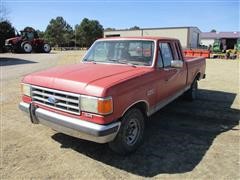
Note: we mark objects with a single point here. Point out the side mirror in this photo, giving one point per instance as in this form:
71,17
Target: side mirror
177,63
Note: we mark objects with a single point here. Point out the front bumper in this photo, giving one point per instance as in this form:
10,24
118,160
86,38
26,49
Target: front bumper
71,126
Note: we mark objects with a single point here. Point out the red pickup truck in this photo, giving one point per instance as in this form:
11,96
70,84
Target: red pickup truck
109,95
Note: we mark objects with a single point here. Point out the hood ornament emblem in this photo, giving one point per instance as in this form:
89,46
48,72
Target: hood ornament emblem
52,100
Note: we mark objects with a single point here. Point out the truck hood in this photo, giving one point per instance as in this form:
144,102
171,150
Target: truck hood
85,78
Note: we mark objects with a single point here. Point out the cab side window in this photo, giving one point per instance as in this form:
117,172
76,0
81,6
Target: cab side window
166,52
178,50
177,57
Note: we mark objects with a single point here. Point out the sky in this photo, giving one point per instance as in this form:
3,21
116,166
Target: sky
222,15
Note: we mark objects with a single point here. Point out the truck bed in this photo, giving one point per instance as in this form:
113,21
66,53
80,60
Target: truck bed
195,65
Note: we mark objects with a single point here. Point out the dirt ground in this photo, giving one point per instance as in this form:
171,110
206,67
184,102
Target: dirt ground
185,140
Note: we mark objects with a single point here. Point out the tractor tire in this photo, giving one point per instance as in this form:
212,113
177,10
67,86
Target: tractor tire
27,47
46,48
131,132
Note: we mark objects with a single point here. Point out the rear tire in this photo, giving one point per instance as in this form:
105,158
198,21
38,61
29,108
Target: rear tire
192,93
27,47
46,48
131,133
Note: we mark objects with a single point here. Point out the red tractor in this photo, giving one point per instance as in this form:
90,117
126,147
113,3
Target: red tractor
27,42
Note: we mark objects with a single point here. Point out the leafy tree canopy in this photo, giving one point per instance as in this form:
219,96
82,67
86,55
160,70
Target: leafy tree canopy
58,31
213,30
134,28
88,31
110,29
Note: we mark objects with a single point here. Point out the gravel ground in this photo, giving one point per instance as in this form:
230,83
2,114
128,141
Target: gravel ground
185,140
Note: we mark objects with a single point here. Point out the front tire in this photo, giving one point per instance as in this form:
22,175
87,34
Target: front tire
27,47
131,133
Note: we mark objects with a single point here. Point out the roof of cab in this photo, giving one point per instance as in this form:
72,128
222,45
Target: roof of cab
154,38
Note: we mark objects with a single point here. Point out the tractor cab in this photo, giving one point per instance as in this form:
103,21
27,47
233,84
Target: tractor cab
29,34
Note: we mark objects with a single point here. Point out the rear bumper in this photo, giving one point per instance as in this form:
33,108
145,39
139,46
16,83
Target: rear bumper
71,126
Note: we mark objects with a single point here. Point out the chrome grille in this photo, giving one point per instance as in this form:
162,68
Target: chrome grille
68,102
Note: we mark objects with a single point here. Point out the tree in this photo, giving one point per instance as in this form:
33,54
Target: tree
213,31
88,31
40,34
68,37
134,28
6,31
110,29
58,32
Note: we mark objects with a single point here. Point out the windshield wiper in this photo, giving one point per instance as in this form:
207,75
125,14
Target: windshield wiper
122,61
112,60
89,60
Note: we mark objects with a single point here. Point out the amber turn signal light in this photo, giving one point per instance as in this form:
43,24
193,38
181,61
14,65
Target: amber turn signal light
105,106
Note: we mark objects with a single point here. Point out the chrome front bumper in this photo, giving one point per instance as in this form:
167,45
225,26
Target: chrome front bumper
71,126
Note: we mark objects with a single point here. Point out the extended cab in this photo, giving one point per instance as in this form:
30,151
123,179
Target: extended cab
107,97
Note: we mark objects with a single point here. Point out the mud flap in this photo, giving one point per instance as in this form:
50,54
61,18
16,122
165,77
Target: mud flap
33,117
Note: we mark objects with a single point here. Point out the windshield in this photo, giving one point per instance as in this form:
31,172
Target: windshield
135,52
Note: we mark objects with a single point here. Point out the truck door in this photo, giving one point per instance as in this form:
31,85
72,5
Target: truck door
181,76
171,79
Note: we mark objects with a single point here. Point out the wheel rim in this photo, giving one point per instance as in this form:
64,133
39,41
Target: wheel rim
46,47
132,131
27,47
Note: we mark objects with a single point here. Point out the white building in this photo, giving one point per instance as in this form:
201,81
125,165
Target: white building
188,36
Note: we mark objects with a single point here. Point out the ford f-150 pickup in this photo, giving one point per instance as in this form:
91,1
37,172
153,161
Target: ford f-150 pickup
109,95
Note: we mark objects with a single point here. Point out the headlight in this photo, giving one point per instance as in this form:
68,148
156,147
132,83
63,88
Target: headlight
26,89
97,105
